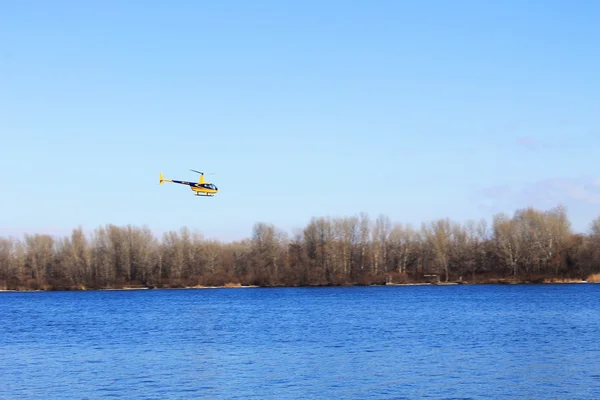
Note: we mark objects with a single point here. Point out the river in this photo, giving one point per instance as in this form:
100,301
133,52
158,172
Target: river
391,342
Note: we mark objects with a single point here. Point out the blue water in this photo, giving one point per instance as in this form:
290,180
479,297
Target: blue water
412,342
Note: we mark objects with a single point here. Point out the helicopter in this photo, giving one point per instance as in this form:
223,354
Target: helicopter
200,188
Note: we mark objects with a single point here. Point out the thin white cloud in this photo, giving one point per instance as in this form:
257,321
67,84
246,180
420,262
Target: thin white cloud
587,193
566,141
543,193
528,142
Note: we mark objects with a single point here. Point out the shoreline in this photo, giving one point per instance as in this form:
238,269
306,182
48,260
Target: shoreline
230,286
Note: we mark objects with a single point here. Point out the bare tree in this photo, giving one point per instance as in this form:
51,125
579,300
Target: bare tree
477,236
438,234
508,241
6,257
39,257
173,257
556,231
381,243
319,241
346,234
532,244
364,241
265,251
403,246
75,258
103,259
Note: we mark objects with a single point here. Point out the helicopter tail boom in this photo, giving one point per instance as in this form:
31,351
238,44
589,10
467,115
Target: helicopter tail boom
162,179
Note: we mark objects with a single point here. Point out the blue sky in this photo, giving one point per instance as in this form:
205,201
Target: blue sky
417,110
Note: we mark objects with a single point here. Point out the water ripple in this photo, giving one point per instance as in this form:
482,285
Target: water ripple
456,342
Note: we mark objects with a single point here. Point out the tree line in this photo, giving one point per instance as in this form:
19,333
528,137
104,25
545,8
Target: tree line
529,246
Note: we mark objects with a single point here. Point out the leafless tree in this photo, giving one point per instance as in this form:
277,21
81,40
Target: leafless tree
438,235
530,244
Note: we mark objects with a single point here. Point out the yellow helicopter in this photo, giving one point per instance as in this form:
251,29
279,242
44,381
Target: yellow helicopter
200,188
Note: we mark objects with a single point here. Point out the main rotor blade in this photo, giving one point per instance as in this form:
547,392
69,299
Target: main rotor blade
203,173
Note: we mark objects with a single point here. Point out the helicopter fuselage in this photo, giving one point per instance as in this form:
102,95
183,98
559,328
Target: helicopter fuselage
207,188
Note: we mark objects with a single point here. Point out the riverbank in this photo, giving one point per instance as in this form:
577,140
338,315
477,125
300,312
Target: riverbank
592,280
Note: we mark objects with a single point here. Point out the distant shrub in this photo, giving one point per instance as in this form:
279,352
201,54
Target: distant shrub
595,278
216,279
